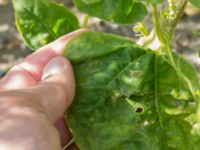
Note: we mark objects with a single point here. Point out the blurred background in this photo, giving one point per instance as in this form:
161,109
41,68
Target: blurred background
13,49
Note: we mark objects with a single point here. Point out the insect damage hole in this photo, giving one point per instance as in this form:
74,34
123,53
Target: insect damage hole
136,74
139,110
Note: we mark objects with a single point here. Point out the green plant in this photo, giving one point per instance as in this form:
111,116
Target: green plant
128,96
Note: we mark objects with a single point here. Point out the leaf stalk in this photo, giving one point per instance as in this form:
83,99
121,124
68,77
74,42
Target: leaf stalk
85,21
157,24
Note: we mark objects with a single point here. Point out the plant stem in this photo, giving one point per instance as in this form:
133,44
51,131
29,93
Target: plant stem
169,54
68,144
85,22
165,32
164,27
157,24
144,29
168,26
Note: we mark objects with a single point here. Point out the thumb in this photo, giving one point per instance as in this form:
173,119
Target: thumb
57,88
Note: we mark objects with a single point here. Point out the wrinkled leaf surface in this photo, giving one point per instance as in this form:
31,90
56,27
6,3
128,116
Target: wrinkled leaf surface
131,98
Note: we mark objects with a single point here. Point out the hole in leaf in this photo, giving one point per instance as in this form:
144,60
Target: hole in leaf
139,110
137,74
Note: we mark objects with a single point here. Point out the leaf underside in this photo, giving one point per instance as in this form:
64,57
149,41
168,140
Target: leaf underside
116,11
130,98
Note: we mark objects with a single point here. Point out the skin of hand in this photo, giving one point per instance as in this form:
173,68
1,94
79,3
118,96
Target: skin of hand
34,95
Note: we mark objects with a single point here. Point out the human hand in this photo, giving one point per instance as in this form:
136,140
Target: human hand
34,95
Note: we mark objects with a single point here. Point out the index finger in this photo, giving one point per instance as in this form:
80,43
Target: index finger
35,62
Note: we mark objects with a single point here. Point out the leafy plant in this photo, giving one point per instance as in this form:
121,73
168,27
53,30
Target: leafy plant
130,95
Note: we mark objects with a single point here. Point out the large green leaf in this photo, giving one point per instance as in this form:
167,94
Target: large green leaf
156,1
131,98
151,1
117,11
195,3
42,21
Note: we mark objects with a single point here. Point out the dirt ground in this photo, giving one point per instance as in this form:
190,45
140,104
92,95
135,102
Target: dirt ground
12,48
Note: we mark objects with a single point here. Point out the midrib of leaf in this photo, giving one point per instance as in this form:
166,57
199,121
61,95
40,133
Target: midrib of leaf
130,8
156,91
44,24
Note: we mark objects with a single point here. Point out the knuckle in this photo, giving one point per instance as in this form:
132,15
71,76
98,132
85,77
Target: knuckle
17,103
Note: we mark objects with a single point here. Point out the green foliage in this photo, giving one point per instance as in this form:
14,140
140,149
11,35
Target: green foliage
156,1
195,2
127,96
90,1
130,97
117,11
42,21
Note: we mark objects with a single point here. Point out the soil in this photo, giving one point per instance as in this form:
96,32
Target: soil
13,49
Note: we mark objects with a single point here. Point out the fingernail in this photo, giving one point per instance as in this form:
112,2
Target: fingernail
55,66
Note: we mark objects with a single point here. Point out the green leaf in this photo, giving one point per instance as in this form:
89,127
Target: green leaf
129,97
90,1
195,3
42,21
156,1
117,11
151,1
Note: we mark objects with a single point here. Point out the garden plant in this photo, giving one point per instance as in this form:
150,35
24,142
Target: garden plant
130,95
